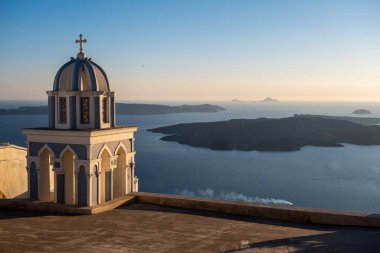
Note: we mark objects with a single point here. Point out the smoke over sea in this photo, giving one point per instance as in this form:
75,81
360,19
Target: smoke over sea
231,195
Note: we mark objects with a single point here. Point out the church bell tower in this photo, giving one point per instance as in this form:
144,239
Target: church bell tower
82,158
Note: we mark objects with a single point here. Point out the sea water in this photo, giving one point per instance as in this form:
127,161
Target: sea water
345,178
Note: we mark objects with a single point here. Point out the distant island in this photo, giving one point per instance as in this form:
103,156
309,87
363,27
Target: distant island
122,108
361,112
269,100
265,100
263,134
25,110
358,120
164,109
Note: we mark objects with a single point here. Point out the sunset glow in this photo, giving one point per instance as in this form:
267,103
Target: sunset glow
198,50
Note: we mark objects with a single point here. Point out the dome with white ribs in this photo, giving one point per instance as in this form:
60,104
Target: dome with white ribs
81,74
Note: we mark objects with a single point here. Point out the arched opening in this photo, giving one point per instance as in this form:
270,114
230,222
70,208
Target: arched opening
46,176
120,175
84,80
33,181
82,186
105,177
69,178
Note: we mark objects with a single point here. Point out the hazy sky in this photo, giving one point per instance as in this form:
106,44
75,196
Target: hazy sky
197,50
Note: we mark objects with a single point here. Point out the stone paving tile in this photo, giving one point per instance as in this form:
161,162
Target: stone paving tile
149,228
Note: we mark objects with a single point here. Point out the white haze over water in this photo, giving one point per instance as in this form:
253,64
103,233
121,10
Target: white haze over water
225,195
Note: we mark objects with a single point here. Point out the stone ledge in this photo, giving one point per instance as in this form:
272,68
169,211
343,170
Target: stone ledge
8,145
125,200
275,212
50,207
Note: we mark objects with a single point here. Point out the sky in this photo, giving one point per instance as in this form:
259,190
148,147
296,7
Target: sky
294,50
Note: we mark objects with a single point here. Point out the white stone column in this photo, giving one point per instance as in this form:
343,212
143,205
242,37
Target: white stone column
89,188
75,193
28,180
133,176
113,165
57,170
99,189
136,184
111,184
51,169
95,172
55,187
126,185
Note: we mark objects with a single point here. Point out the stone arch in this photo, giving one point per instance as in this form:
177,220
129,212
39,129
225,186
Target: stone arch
105,179
105,147
68,157
120,172
46,179
43,149
120,146
68,148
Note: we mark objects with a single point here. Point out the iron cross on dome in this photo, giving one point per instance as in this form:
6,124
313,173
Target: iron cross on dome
81,41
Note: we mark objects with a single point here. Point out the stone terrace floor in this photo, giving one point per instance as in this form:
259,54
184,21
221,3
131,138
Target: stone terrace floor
149,228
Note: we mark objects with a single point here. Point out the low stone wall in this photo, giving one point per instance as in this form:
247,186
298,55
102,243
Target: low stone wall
284,213
13,174
274,212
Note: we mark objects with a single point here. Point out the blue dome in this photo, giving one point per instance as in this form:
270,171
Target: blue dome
81,74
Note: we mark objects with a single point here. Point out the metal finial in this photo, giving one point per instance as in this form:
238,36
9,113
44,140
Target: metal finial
81,41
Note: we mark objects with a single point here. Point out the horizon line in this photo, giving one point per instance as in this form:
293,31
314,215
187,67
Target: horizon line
220,100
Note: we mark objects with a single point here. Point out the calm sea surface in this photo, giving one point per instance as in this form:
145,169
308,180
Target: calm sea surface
345,178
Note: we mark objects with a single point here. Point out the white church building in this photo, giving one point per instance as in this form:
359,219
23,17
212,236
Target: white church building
82,158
